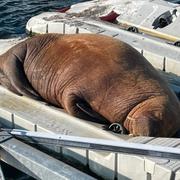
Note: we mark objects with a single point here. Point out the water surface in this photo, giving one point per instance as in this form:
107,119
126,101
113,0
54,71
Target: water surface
15,13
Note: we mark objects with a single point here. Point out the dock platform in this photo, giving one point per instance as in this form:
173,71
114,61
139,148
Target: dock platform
22,112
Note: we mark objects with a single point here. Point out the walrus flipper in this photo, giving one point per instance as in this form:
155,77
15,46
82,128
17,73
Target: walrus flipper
14,71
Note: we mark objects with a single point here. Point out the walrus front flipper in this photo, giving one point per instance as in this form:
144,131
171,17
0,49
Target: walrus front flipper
85,108
14,71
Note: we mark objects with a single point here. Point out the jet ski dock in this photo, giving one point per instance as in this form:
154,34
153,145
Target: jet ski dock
48,159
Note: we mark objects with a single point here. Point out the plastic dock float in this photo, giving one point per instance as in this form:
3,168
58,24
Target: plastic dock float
21,112
157,18
34,162
25,113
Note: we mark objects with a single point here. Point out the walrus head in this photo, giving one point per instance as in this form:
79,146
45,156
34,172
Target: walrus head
155,116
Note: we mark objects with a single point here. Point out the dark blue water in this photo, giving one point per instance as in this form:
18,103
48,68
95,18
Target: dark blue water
15,13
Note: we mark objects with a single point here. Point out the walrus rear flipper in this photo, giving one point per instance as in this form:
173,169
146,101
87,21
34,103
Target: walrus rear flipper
85,108
14,71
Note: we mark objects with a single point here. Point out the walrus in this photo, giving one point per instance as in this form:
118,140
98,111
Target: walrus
93,76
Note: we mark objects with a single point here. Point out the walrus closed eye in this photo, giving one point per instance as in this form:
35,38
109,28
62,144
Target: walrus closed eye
115,84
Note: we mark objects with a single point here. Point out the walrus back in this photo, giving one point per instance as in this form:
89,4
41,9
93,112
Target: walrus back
39,62
68,59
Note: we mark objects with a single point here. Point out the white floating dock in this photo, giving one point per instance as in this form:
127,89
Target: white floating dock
36,163
137,13
22,112
36,116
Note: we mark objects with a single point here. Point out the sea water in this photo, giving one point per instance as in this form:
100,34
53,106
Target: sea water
14,14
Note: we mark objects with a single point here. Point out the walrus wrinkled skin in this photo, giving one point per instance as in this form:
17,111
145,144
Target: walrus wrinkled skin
93,75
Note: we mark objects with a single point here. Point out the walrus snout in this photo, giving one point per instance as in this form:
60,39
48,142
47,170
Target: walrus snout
153,117
145,126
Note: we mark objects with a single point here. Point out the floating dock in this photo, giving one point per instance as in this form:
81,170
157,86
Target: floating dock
22,112
157,18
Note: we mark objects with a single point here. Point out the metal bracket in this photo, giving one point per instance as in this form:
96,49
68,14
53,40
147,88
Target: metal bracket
4,136
133,29
116,128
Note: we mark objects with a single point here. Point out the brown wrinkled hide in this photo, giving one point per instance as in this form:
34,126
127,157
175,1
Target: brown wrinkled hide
107,74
